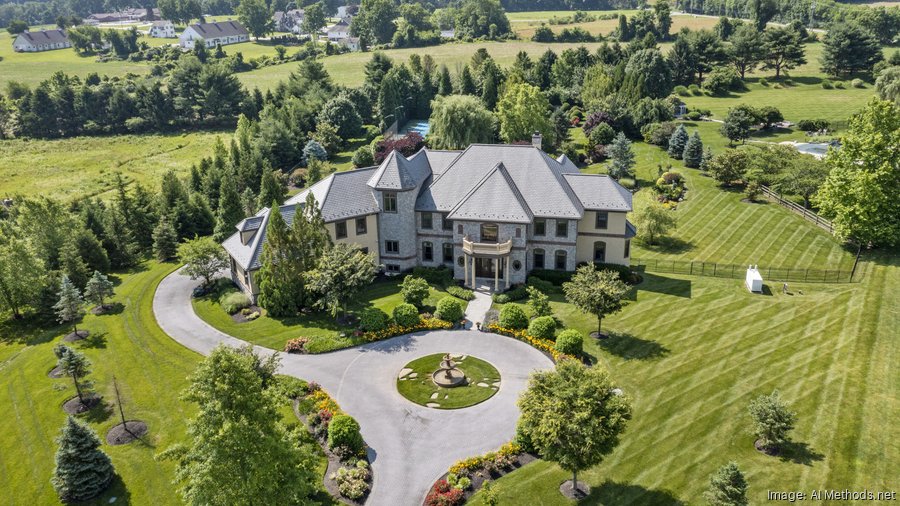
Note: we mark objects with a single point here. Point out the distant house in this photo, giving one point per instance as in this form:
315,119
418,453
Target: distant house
162,30
351,43
346,12
338,31
127,15
289,21
44,40
222,33
448,34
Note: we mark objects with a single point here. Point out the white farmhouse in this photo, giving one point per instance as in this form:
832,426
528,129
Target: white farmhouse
162,30
213,34
44,40
338,31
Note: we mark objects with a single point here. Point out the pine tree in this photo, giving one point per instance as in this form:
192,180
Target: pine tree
677,142
248,201
280,277
707,157
165,240
75,365
727,487
230,210
73,266
445,84
68,306
313,171
466,82
621,155
271,189
98,288
83,471
693,151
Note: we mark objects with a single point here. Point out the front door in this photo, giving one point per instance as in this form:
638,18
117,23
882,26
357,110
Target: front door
484,268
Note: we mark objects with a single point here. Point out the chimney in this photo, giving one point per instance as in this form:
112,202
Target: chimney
536,139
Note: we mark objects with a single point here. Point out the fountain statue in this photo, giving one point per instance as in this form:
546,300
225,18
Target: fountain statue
448,375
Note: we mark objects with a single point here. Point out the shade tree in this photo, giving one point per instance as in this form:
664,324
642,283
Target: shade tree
523,110
21,274
340,274
595,291
203,258
460,120
848,48
654,220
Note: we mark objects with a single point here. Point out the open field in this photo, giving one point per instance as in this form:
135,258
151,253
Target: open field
691,352
151,370
84,166
525,23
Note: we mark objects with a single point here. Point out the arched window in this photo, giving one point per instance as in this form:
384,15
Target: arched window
538,259
599,252
560,260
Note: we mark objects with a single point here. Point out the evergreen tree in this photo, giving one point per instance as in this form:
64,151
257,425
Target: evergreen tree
623,32
466,82
271,189
68,306
783,50
849,48
621,155
82,470
248,201
73,266
98,288
280,276
677,142
727,487
230,210
693,151
165,240
683,60
445,84
746,49
544,69
314,150
75,365
91,250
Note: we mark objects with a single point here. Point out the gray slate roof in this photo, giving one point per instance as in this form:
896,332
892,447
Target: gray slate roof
398,173
342,195
247,255
439,160
537,177
505,202
599,192
220,29
43,37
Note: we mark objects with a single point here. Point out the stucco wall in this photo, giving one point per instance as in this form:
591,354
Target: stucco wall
613,235
368,240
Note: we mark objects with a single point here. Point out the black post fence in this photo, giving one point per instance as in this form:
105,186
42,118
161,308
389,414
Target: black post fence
735,271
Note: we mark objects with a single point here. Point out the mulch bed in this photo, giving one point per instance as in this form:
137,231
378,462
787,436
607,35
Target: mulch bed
480,477
334,463
568,489
76,336
56,373
240,317
74,406
120,435
768,450
99,310
599,335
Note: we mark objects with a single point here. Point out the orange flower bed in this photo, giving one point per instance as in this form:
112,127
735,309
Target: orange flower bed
541,344
324,402
393,330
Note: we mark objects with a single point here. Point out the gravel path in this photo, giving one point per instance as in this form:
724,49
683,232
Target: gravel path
411,445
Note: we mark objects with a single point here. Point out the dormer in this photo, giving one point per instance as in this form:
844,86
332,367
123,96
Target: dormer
248,228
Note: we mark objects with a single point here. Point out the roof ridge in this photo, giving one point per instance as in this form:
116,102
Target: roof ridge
570,193
499,167
515,189
452,164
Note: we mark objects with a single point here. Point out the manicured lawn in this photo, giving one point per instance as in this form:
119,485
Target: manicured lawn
715,226
322,330
691,352
68,169
151,370
421,389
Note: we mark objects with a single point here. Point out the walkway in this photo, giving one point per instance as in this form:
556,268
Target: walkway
478,306
411,446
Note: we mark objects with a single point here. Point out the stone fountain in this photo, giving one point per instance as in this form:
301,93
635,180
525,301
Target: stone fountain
447,375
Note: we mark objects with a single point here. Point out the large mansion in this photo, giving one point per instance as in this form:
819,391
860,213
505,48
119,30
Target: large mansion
492,213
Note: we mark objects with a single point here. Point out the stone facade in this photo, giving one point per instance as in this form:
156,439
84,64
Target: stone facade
397,227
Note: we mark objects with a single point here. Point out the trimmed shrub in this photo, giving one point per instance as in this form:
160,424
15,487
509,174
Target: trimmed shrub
344,431
692,116
695,89
570,342
460,292
517,293
857,83
839,85
513,317
406,315
763,82
543,327
827,84
602,134
542,285
414,290
438,276
234,302
682,90
553,276
373,319
449,309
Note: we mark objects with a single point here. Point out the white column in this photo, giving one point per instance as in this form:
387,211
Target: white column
507,271
465,269
496,274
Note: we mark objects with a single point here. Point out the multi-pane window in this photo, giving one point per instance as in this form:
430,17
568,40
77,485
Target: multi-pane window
448,252
538,259
560,260
340,230
392,246
602,220
427,252
562,228
540,226
446,223
390,202
427,221
361,226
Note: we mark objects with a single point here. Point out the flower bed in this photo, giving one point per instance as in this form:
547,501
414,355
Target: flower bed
545,345
466,476
394,330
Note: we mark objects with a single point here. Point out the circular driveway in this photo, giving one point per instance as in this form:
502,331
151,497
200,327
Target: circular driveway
411,445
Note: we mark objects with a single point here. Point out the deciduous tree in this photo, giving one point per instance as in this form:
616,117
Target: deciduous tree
523,110
460,120
21,274
342,271
598,292
256,16
203,258
653,221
